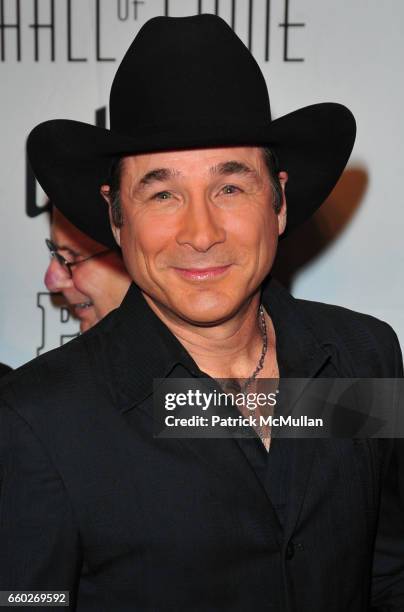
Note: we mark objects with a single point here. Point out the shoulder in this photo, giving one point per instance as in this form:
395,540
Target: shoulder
370,342
52,404
4,369
339,320
57,378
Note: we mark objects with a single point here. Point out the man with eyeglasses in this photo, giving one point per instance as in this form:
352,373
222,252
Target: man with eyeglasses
92,279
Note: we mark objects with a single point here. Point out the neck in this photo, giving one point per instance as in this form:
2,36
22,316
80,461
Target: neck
230,349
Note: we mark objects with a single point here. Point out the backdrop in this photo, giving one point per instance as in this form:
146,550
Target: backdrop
58,59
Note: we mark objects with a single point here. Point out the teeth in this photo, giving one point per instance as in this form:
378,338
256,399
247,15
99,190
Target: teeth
84,305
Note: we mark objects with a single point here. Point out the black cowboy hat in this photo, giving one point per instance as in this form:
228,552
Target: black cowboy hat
185,83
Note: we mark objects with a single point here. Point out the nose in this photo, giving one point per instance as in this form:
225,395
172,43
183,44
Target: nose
200,228
57,278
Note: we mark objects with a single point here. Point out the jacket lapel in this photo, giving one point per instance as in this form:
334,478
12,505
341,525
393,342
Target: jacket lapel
302,453
302,357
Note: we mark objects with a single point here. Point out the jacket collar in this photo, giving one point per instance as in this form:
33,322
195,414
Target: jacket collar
141,347
300,353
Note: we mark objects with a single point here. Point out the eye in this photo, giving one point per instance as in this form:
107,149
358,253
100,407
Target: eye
230,189
162,195
68,255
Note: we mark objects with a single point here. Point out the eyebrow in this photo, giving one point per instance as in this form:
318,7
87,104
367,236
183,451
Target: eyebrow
233,167
224,169
156,175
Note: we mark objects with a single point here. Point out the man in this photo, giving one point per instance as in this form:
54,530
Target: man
92,279
91,501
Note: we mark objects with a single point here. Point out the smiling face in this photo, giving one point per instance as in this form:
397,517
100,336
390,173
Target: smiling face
199,230
97,285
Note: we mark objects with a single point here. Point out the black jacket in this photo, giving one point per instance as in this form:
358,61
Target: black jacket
4,369
92,503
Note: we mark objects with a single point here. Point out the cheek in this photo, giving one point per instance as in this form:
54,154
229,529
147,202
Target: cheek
254,234
94,278
82,281
143,241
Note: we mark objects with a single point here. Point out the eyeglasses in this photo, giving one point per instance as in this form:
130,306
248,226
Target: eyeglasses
68,265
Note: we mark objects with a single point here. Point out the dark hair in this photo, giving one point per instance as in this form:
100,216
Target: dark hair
114,183
115,180
272,165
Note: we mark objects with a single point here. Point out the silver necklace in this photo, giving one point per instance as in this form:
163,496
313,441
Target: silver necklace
263,328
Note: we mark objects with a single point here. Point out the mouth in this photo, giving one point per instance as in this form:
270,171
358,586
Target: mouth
82,306
202,273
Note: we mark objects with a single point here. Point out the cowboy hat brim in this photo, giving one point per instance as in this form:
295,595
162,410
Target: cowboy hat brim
71,159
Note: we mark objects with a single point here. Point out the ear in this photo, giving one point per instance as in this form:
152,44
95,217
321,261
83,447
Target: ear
282,216
105,189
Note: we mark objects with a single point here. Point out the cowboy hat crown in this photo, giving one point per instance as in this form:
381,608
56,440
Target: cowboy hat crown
189,72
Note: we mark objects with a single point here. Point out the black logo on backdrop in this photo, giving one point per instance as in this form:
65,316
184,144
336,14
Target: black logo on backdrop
128,9
41,27
57,324
47,13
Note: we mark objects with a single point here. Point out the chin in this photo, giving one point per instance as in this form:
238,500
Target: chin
207,310
85,325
